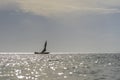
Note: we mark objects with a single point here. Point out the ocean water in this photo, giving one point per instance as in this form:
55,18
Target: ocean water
60,67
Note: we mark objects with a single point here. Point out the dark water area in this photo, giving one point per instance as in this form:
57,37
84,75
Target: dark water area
60,67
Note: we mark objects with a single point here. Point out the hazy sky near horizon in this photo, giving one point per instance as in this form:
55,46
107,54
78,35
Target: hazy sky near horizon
68,25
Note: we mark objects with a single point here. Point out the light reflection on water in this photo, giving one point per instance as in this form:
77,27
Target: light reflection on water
60,67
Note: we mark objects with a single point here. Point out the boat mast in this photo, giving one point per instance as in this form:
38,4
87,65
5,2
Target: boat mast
45,45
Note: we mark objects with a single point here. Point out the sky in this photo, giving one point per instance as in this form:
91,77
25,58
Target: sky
68,25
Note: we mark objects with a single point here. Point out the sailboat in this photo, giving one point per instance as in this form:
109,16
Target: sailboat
44,50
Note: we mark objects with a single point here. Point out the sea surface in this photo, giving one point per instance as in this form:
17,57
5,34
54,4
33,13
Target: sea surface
60,67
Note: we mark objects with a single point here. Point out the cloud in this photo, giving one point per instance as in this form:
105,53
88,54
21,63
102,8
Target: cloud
110,3
53,7
56,7
19,30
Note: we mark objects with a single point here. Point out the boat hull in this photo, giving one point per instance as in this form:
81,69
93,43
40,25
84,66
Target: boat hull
41,53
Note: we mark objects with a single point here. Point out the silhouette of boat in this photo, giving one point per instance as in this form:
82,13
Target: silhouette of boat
44,50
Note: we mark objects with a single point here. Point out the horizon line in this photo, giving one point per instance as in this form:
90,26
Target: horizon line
60,52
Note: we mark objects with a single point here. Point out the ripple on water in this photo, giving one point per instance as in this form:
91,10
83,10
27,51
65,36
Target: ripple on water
59,67
20,77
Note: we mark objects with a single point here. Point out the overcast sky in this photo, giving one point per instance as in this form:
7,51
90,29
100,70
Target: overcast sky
67,25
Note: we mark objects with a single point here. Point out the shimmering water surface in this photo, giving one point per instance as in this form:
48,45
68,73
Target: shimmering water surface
60,67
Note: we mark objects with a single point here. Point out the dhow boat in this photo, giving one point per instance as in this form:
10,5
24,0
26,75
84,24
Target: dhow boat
44,50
